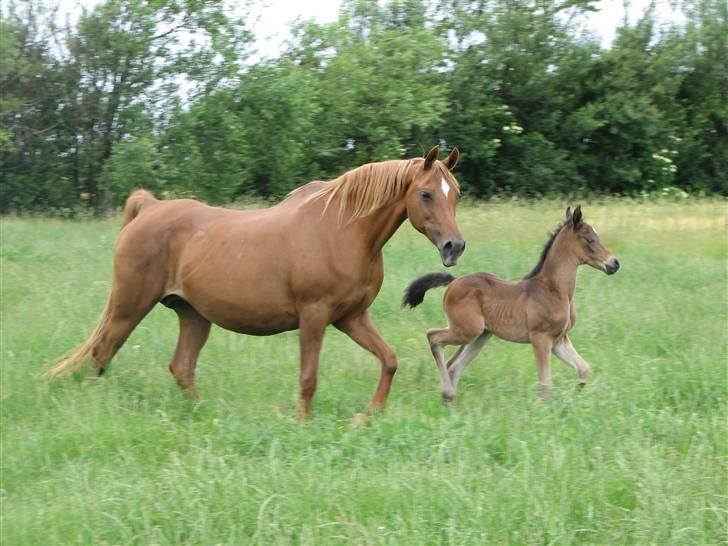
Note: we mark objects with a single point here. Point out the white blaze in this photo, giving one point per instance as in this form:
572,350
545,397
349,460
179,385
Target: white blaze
445,187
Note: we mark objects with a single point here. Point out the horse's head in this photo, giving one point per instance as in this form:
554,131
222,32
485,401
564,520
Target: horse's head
587,246
431,201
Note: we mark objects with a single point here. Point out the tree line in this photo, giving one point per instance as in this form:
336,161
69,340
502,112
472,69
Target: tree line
169,95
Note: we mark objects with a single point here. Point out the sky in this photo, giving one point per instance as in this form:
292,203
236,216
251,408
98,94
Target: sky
276,16
272,18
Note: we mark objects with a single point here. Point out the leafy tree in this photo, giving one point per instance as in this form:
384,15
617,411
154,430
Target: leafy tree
109,78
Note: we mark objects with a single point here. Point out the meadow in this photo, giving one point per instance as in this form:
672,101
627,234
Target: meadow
637,457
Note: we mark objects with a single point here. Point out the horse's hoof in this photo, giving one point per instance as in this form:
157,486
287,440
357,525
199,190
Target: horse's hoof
447,399
191,395
361,420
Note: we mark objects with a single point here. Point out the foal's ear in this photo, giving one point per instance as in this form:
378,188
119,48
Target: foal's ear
431,157
576,218
568,213
451,160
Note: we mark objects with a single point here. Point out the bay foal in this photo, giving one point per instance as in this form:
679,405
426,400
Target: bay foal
539,309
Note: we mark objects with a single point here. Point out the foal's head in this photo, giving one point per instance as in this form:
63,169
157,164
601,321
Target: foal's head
431,201
585,244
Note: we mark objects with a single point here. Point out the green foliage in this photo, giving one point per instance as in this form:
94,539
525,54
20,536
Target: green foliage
637,457
133,164
536,107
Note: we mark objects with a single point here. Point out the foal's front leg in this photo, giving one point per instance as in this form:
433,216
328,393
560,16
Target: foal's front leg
542,345
565,351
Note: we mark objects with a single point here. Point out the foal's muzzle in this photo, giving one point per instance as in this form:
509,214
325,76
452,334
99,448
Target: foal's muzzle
611,266
451,250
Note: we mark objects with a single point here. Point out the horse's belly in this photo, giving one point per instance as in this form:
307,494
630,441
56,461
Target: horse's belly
514,334
259,318
233,302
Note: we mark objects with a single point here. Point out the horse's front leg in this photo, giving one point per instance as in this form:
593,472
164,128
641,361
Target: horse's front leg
361,329
312,325
565,352
542,345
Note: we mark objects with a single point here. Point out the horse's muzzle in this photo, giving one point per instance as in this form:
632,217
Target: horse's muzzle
611,266
451,250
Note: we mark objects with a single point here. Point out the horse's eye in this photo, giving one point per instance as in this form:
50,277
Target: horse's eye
426,195
590,241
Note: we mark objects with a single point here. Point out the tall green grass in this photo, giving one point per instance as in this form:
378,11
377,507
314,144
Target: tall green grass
638,457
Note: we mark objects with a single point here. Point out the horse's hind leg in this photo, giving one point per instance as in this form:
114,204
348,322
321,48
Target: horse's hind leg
121,317
193,332
564,351
438,338
362,330
132,297
464,357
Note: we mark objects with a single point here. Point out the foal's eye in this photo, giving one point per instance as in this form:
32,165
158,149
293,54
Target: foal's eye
426,195
590,241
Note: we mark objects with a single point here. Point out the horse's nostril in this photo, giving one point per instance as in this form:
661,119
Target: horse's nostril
616,263
447,247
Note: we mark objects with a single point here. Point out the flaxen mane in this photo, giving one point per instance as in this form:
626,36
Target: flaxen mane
537,268
366,189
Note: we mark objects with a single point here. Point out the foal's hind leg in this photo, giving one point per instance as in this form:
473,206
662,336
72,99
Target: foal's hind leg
564,351
464,356
193,332
438,338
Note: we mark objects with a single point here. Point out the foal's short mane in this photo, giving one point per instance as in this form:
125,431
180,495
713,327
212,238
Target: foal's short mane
368,188
544,252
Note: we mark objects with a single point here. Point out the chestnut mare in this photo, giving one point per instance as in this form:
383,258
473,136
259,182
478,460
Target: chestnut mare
312,260
538,309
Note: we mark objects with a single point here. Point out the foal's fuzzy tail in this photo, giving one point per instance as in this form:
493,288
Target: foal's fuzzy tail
134,204
75,359
415,292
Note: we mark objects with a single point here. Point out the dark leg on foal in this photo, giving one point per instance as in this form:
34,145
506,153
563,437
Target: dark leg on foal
193,332
313,322
362,330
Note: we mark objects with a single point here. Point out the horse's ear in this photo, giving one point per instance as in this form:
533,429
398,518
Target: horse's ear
568,213
576,218
431,157
452,159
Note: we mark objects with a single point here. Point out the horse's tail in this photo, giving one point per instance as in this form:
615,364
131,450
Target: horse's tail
415,292
134,204
75,359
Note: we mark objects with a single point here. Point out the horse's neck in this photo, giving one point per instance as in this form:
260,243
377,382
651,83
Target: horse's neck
378,227
559,270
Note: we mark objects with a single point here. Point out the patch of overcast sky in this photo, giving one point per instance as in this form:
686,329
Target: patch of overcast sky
271,20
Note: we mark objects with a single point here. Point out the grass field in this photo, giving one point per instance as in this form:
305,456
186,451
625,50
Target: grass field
638,457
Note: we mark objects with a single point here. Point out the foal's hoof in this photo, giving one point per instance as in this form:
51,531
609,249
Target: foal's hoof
191,395
447,399
360,420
